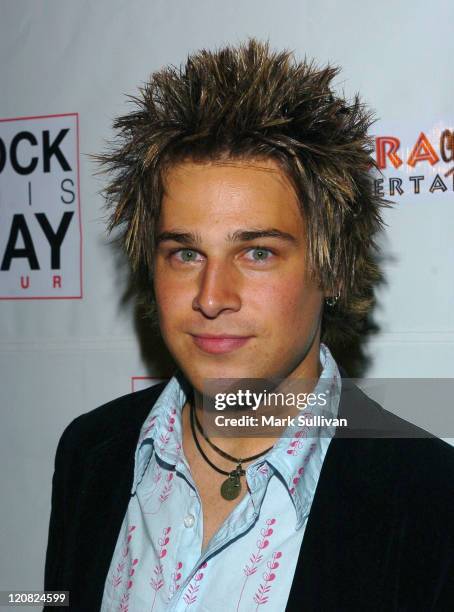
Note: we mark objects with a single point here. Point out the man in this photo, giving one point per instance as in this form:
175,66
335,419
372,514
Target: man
243,186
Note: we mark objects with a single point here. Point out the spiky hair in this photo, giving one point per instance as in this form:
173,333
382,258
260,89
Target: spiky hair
249,102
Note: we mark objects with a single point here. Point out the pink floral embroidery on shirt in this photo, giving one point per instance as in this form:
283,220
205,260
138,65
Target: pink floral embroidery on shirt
191,594
297,442
257,556
165,437
165,493
157,582
262,594
155,479
296,478
167,489
175,578
124,603
148,427
300,470
117,578
264,469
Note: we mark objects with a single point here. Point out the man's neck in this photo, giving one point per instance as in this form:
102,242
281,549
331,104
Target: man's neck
243,447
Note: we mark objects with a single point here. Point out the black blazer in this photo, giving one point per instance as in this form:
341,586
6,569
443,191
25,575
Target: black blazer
379,537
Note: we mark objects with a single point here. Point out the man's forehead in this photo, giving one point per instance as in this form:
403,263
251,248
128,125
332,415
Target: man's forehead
242,170
236,197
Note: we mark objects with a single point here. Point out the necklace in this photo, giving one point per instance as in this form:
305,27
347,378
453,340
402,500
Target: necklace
231,487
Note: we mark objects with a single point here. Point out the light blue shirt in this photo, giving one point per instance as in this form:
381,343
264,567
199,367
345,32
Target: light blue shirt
250,562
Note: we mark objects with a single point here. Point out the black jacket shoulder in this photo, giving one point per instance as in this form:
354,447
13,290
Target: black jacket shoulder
111,420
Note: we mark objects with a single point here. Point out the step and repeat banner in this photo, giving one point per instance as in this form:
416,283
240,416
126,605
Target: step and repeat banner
70,337
40,222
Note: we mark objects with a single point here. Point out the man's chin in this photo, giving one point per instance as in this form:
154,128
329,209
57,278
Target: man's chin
222,379
199,376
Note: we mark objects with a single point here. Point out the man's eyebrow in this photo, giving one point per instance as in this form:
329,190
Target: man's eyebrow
180,237
191,238
254,234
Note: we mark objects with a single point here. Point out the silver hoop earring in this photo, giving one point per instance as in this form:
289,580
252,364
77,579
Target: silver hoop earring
332,300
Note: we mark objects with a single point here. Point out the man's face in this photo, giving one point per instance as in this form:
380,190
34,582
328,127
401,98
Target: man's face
234,295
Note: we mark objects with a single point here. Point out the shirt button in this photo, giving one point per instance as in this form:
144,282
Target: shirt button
189,520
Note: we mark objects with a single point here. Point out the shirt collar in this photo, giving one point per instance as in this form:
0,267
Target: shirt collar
297,458
299,453
162,429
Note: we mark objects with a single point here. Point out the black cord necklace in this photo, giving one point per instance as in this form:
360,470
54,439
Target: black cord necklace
231,487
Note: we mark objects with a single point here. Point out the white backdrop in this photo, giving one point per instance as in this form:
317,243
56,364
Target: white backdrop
62,357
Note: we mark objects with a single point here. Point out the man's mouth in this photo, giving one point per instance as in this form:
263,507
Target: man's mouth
219,343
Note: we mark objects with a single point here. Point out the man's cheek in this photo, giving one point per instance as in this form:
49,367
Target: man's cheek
284,300
168,292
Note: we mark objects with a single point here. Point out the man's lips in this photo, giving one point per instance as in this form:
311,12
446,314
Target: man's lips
218,344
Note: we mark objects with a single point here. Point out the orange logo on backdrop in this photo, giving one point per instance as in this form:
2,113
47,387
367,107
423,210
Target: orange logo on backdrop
388,153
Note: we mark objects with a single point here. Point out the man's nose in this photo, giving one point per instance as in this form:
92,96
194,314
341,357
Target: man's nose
218,289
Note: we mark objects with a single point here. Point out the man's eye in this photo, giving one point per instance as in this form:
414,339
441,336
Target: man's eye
260,253
186,255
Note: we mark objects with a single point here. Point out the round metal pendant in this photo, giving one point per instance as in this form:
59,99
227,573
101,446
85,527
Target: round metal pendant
230,488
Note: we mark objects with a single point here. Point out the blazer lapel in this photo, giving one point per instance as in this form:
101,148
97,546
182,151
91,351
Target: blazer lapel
104,496
344,561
